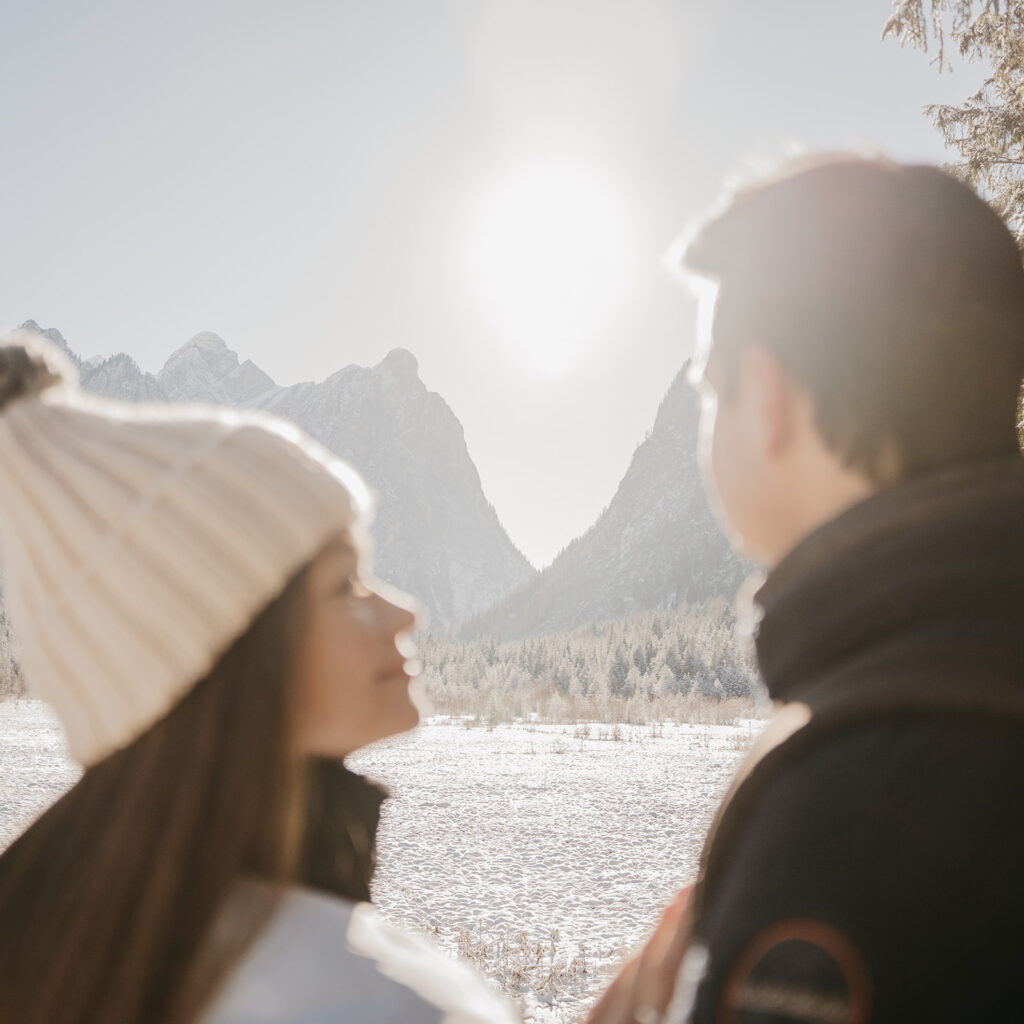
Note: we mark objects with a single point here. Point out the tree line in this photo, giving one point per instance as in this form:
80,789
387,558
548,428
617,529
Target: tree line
652,665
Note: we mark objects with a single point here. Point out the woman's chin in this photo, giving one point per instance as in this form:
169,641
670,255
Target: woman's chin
404,714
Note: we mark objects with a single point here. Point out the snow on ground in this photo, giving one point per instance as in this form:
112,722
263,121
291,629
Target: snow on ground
34,766
543,853
534,846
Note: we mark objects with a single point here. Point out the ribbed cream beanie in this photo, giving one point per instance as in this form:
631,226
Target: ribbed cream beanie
139,541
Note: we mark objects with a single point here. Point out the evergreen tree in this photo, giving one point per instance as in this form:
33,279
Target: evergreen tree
618,674
987,129
666,685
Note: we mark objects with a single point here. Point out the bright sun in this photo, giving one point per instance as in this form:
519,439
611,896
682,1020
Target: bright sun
551,260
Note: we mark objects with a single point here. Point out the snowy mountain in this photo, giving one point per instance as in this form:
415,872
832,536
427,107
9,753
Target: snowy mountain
444,541
206,370
436,534
120,377
56,337
654,546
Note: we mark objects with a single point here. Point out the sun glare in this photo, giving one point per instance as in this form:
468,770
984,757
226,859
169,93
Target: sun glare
550,260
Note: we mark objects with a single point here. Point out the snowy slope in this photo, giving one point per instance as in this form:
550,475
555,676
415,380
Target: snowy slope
654,546
445,543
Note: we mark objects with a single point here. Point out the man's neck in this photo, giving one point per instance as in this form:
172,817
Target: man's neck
816,498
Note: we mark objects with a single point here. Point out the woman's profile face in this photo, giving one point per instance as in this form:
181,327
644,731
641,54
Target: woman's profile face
352,668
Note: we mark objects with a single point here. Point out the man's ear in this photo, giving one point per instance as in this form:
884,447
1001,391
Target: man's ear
774,399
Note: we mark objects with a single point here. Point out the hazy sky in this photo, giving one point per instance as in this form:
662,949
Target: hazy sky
491,184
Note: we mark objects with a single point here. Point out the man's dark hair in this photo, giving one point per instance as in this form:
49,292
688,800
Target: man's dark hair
893,293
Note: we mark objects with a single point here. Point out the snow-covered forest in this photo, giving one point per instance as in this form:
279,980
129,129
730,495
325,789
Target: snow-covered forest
650,666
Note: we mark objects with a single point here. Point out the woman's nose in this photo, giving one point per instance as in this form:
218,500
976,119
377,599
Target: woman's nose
407,613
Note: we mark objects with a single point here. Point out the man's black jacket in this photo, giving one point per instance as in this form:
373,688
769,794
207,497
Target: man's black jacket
870,864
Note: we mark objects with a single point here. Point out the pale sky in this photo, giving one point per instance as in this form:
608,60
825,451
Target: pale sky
491,184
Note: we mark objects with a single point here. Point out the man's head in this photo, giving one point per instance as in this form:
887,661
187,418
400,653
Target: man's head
867,325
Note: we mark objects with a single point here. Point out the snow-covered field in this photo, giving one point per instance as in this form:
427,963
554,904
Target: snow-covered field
541,852
34,769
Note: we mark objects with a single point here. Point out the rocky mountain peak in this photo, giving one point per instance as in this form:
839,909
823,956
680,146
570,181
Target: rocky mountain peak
55,336
204,369
208,341
401,362
205,348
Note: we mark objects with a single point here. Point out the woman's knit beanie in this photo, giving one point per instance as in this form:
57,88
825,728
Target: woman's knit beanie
139,541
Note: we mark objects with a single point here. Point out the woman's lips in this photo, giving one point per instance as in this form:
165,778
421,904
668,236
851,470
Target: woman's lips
409,668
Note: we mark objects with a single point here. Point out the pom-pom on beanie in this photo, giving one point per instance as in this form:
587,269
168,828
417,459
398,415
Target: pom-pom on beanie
139,541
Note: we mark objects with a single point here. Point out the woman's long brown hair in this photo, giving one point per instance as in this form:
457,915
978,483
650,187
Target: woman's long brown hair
106,899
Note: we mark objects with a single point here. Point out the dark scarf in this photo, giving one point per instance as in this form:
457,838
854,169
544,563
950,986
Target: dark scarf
916,594
910,603
339,851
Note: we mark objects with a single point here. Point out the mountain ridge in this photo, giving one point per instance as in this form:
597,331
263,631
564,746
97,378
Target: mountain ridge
436,533
654,545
